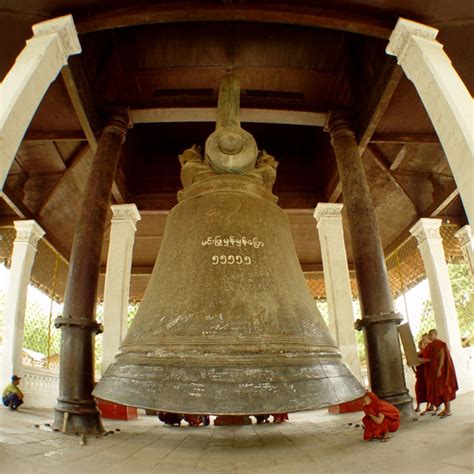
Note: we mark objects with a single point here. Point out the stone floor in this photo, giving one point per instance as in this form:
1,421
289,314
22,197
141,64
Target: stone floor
312,442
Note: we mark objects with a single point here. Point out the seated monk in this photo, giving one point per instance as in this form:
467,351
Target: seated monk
172,419
262,419
197,420
442,375
381,418
280,417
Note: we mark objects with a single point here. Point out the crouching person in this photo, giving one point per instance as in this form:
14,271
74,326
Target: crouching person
381,418
12,396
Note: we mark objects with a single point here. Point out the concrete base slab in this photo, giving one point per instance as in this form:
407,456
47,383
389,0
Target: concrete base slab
310,442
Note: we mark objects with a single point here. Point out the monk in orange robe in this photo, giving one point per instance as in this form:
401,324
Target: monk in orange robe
420,372
442,381
425,358
280,417
420,385
381,418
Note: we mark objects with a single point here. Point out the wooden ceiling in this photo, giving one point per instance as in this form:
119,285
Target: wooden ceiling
291,57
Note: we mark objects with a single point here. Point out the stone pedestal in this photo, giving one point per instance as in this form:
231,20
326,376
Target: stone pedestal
115,411
232,420
28,234
430,245
466,241
337,283
379,320
76,411
28,80
117,279
445,97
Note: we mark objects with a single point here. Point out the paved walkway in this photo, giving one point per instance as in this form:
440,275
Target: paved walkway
312,442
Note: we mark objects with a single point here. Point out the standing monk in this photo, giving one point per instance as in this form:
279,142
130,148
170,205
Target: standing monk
425,360
381,418
420,386
442,375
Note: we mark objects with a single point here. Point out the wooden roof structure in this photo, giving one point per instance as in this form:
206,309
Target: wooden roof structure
295,61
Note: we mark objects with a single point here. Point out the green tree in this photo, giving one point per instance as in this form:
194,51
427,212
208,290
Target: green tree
463,292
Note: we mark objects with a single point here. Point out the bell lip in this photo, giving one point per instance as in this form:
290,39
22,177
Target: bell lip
321,387
227,413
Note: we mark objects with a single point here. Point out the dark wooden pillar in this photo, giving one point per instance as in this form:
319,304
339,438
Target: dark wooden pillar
379,320
76,411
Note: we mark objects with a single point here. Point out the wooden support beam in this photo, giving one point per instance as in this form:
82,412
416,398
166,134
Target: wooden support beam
403,138
379,161
7,221
449,196
434,210
81,153
54,135
83,103
333,190
77,94
399,158
379,94
208,114
311,267
16,204
277,13
136,270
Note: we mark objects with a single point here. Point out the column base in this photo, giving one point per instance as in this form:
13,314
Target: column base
404,403
78,417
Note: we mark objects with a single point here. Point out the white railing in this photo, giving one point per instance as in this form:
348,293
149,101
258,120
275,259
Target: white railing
40,386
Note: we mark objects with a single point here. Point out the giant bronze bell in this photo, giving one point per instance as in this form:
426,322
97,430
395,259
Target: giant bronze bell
227,324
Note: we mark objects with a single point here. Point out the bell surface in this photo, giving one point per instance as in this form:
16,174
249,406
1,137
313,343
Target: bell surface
227,324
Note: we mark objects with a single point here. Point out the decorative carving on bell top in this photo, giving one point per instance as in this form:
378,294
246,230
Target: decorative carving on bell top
230,152
193,167
230,149
426,229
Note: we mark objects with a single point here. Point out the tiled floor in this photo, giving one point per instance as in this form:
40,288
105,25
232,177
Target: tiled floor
312,442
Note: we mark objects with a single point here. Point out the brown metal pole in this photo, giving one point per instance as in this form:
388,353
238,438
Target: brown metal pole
379,320
76,411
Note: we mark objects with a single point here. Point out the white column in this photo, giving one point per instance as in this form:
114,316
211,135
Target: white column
24,248
28,80
445,97
117,279
337,283
430,245
466,240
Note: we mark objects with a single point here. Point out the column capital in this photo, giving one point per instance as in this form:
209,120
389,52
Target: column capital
125,212
64,27
339,122
403,33
28,231
118,120
426,228
464,235
328,210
